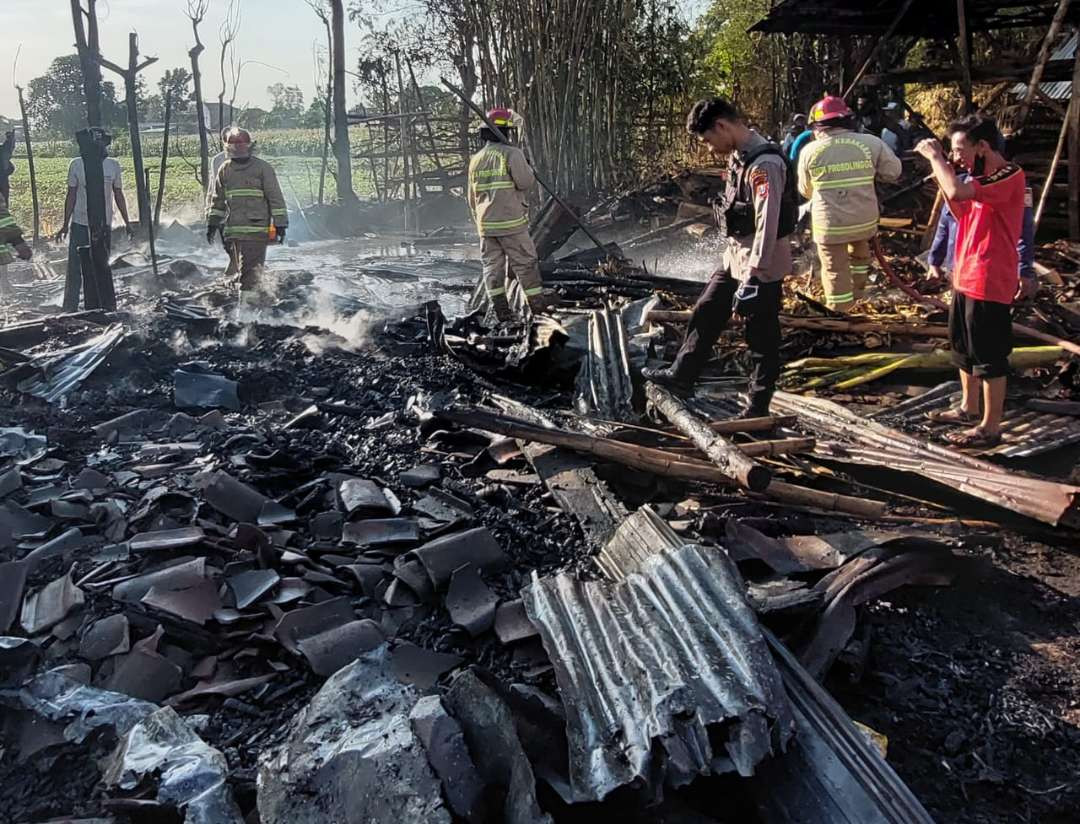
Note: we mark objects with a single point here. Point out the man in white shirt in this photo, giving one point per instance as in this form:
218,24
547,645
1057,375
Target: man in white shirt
75,216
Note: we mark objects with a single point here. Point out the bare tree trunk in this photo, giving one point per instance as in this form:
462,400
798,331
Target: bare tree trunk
130,76
30,164
195,14
164,160
341,118
87,46
327,108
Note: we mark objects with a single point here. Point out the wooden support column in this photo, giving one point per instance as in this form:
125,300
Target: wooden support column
964,44
731,461
97,277
403,137
30,164
1074,154
86,43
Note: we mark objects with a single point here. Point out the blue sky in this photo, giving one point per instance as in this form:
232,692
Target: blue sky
281,33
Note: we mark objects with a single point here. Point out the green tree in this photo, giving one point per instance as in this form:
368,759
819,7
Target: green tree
315,116
56,101
254,119
288,108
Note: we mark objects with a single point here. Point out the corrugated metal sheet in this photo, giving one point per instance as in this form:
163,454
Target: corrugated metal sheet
605,387
1024,432
62,371
664,676
831,774
1062,89
860,440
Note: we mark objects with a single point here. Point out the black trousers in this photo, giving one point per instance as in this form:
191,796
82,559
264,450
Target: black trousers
75,284
980,332
710,317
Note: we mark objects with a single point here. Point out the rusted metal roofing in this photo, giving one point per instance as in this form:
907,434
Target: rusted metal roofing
1024,432
1062,89
845,436
665,675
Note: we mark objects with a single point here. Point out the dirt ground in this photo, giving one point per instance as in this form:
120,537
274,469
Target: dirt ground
977,687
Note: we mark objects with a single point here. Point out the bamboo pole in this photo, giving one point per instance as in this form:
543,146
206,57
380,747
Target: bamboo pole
838,325
1048,184
30,164
539,178
163,170
722,452
1040,62
877,47
657,461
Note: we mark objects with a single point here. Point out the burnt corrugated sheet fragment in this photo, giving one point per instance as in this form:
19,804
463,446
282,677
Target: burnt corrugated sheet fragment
665,676
605,387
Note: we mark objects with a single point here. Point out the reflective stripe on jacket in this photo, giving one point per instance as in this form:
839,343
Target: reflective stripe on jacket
837,173
499,179
247,199
10,234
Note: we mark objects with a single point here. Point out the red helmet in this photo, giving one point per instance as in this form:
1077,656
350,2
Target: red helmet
828,109
503,118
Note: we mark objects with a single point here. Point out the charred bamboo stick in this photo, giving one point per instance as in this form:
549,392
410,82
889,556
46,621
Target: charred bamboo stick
936,330
753,424
827,501
722,452
645,458
1054,407
757,449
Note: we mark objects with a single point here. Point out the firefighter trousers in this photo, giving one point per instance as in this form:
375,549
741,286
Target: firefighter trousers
248,257
845,268
710,317
510,256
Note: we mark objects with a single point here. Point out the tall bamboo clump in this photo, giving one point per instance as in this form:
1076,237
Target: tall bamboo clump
585,74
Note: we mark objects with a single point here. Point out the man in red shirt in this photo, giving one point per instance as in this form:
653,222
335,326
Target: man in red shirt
989,210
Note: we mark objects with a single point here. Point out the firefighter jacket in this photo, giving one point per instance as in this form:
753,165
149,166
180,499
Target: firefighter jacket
10,234
247,199
499,179
837,172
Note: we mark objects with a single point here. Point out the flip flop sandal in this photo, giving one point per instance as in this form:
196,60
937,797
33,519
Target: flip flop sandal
953,415
974,439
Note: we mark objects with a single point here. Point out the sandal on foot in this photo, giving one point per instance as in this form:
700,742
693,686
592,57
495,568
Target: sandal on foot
974,439
954,415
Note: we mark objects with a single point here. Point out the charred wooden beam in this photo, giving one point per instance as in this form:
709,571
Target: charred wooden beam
721,451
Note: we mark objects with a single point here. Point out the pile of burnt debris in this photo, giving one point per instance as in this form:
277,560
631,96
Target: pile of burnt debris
256,570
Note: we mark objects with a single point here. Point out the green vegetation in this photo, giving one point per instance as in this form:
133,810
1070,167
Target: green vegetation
299,175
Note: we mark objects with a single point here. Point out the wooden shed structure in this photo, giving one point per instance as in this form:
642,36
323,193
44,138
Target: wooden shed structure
880,33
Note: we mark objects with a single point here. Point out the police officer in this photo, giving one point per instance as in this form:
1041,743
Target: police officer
757,215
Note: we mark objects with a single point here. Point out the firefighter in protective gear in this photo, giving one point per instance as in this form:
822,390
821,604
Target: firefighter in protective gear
837,173
12,244
246,207
499,179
